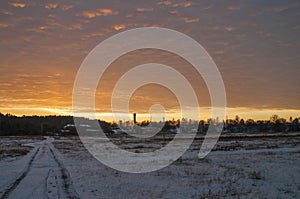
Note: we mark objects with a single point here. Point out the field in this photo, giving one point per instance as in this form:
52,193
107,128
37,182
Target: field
240,166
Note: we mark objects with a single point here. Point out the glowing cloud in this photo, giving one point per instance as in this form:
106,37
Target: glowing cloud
144,9
190,20
51,6
119,27
106,12
74,27
6,12
18,5
66,7
98,13
180,4
229,28
3,25
166,3
174,12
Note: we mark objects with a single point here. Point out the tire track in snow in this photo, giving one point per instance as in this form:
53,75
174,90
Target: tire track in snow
51,182
20,178
67,182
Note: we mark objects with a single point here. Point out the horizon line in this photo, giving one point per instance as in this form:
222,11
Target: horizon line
142,120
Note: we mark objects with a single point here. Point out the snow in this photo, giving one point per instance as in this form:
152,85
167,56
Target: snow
62,168
37,175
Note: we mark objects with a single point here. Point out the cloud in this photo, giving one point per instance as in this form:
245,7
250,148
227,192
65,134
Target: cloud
3,25
214,28
297,27
119,27
18,5
74,27
209,6
175,12
6,12
38,29
282,43
229,28
128,15
144,9
218,52
106,12
51,6
180,4
89,14
91,35
98,13
190,20
233,8
166,3
66,7
285,7
223,43
279,9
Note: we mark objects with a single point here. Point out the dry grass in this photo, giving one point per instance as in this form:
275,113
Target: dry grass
13,149
13,146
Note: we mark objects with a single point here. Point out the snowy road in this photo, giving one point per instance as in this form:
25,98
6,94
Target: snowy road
40,174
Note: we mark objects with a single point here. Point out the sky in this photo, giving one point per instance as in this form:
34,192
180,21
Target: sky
255,45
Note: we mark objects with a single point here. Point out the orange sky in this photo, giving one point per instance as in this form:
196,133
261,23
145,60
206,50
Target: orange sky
255,46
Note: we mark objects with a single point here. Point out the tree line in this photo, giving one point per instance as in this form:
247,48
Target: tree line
51,125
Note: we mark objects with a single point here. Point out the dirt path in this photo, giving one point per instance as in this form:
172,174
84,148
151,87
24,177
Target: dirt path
43,176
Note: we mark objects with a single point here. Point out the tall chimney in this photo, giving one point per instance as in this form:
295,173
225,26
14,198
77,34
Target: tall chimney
134,118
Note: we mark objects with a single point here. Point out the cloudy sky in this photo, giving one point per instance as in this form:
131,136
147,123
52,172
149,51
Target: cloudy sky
255,45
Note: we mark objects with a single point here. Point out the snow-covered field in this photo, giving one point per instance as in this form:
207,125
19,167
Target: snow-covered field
238,167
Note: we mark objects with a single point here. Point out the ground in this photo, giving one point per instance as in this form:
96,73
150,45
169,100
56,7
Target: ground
240,166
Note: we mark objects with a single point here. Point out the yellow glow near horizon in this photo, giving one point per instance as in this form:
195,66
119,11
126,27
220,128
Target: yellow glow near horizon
242,112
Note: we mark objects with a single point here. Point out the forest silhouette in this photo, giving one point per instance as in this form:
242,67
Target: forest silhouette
11,125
